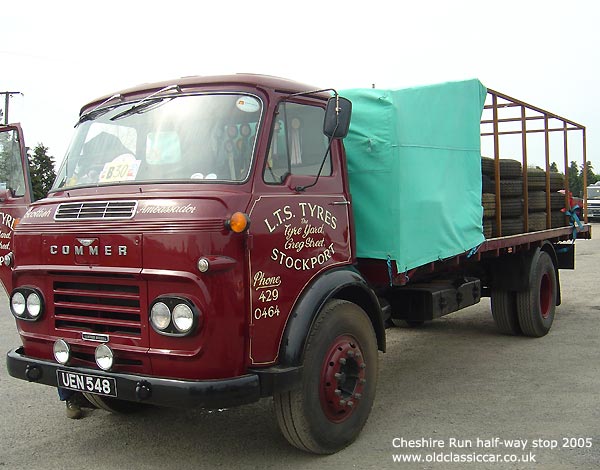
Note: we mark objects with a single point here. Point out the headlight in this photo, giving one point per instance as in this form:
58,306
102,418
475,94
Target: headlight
27,303
160,316
104,357
174,316
34,305
183,318
18,304
62,351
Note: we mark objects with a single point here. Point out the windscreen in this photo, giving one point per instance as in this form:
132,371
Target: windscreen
593,193
193,138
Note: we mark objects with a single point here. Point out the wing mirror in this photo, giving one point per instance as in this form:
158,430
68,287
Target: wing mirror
337,117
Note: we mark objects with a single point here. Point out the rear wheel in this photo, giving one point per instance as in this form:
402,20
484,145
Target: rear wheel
114,405
339,380
504,311
536,305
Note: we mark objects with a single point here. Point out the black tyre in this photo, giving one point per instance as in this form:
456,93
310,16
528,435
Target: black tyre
511,207
557,201
510,169
488,229
557,181
489,205
559,219
488,185
510,226
339,382
489,213
114,405
536,305
536,184
537,221
487,166
488,198
512,187
537,201
504,311
536,179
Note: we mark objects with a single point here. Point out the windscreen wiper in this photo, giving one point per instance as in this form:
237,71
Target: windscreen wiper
148,102
98,110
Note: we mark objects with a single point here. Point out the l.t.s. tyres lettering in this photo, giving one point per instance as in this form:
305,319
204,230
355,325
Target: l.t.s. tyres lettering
292,242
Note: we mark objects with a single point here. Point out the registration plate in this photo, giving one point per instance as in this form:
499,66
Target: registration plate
106,386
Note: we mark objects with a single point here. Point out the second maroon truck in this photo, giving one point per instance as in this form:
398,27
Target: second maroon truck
201,247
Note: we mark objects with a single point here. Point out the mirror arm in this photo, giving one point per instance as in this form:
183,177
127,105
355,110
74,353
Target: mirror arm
300,189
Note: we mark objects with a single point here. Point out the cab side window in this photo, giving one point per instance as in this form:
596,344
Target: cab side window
298,144
11,167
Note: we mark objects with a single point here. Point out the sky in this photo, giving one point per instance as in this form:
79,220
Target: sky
63,54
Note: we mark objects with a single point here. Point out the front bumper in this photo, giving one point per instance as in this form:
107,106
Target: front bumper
211,394
593,212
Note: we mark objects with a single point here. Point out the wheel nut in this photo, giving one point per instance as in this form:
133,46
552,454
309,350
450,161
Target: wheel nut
342,402
342,360
363,365
337,375
358,396
350,353
338,392
357,355
363,381
350,404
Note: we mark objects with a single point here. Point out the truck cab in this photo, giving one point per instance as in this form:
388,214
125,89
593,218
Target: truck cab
194,230
593,201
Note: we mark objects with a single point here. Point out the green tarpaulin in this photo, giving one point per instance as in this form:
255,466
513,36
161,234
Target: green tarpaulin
414,162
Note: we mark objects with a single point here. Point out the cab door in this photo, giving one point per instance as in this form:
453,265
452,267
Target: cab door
15,193
300,223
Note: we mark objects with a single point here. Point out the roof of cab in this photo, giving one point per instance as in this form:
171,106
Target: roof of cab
275,84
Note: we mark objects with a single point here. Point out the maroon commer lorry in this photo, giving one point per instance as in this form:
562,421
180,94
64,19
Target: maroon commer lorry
198,249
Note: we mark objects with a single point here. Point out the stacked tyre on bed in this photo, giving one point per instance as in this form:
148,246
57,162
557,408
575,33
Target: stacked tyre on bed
512,202
528,311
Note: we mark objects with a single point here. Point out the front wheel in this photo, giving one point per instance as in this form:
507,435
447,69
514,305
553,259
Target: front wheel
328,411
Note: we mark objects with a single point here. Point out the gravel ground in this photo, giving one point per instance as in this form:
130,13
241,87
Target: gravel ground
455,387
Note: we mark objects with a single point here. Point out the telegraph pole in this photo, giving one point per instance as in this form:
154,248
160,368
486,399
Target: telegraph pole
7,96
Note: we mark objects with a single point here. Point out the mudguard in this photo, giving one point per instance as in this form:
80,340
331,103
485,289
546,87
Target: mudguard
342,283
508,278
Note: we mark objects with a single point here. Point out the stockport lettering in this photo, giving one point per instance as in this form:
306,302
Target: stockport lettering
302,264
107,250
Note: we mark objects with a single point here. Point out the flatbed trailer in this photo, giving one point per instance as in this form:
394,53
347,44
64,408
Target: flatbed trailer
495,260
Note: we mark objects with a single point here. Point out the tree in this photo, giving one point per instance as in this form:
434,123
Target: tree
41,168
575,185
554,167
591,177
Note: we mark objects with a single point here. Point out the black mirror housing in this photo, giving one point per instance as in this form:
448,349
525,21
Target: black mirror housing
337,117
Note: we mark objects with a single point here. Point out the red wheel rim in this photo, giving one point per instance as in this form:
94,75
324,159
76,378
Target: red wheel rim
545,295
342,379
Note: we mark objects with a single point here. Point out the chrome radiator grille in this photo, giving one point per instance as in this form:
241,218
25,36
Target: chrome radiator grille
98,306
